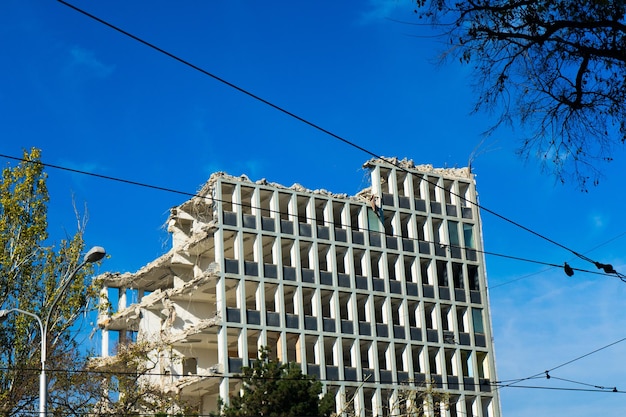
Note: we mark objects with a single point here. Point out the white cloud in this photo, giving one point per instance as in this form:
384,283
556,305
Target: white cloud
83,58
91,167
381,9
598,220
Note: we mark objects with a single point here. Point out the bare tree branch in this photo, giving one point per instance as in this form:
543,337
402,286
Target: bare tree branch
556,68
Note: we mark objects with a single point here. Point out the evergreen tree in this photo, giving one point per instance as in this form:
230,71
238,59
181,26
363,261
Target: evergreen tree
274,389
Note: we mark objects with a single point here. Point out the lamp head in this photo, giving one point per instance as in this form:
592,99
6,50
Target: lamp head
95,254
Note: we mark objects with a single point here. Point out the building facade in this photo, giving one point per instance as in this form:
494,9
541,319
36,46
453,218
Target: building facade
371,293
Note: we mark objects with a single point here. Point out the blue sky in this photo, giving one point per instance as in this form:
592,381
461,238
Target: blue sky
95,100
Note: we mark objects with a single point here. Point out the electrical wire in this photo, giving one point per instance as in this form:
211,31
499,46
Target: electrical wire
105,177
567,389
196,195
125,413
474,385
440,384
199,376
606,267
587,354
502,284
600,387
545,373
599,265
171,190
217,78
556,266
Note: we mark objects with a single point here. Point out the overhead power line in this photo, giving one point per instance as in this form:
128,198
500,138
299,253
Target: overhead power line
217,78
412,384
171,190
546,373
558,266
600,387
105,177
612,390
606,267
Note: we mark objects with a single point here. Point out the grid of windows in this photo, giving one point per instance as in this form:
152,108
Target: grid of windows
397,276
368,293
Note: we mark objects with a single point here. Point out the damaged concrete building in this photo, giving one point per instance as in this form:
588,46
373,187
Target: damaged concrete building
370,293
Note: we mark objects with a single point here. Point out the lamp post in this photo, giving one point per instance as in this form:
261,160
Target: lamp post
94,255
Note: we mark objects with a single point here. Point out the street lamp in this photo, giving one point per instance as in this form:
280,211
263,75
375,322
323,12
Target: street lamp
94,255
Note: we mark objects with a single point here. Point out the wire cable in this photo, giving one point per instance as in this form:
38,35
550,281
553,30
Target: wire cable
547,372
185,193
557,266
606,267
217,78
105,177
498,384
613,389
565,389
475,385
587,354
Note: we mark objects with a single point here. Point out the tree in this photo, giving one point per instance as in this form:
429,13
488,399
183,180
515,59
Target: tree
125,384
420,401
30,271
556,67
273,389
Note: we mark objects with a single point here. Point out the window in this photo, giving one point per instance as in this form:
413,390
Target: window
266,201
303,208
354,217
457,275
442,273
447,187
481,359
453,231
284,200
425,271
472,276
227,196
460,319
433,361
373,221
432,188
409,275
361,305
450,364
464,193
416,356
467,369
246,199
320,207
468,236
477,318
268,244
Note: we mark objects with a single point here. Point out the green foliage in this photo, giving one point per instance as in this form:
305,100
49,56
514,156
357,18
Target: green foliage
556,68
420,401
273,389
126,386
30,272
